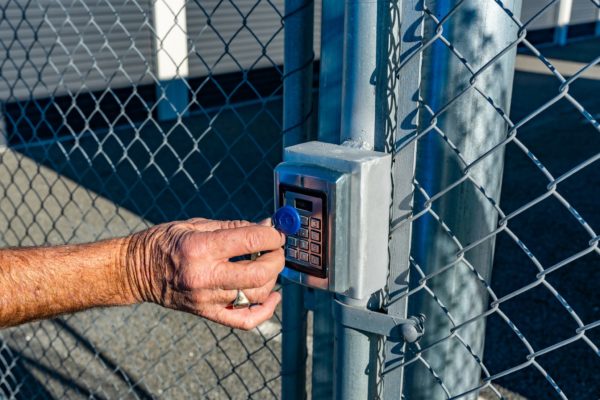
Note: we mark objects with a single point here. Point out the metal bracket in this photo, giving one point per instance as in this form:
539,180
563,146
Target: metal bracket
362,319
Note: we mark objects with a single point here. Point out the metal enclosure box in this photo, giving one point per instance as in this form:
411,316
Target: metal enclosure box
343,196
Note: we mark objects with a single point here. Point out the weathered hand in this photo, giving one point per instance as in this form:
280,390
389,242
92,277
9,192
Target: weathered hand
186,266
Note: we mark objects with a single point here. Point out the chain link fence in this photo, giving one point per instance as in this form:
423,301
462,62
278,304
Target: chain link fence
117,115
528,328
108,129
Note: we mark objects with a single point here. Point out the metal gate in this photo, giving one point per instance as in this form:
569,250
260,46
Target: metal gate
120,114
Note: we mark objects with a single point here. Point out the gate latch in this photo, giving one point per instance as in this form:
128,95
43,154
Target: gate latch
410,330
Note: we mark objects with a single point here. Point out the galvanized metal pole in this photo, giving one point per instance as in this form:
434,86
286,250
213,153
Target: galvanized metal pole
360,61
322,355
481,31
330,97
3,132
403,170
330,77
297,115
597,30
364,118
293,343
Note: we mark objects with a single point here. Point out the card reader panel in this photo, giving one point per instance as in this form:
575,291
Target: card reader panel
306,251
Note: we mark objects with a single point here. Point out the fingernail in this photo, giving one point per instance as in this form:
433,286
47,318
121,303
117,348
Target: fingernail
266,222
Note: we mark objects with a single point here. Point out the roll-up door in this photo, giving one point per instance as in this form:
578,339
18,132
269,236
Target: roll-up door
54,48
231,36
583,11
547,19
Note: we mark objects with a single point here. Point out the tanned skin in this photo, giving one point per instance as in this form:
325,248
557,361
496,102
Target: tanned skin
181,265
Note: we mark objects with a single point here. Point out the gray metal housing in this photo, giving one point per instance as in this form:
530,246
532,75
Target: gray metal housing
360,207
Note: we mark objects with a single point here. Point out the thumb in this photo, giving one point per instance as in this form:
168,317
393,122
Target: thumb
266,222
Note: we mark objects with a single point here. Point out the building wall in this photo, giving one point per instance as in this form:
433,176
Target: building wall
583,11
55,48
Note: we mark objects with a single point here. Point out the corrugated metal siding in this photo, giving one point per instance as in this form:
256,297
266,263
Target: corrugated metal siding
228,38
317,31
54,49
583,11
545,20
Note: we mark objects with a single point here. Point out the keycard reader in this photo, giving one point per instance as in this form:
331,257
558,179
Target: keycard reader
342,195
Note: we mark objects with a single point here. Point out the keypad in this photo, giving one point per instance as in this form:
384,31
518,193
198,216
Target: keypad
304,220
292,253
303,233
303,256
306,247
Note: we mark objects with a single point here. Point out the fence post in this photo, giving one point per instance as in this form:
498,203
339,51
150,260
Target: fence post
474,126
330,97
597,30
297,115
170,40
364,122
3,132
330,77
403,169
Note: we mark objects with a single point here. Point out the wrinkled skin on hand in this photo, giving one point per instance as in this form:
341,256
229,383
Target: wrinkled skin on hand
186,266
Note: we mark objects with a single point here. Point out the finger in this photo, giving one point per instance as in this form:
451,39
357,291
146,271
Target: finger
266,222
208,225
261,294
255,295
227,243
248,318
249,274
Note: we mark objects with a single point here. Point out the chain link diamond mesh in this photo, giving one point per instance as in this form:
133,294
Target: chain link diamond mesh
86,156
543,314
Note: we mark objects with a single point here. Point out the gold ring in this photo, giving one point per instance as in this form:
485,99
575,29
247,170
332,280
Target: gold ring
241,301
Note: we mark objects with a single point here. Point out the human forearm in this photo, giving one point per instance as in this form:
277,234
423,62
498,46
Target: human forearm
42,282
184,265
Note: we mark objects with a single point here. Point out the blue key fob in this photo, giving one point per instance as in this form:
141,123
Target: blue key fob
287,220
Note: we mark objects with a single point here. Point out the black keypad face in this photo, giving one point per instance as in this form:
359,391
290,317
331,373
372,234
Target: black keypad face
303,256
305,251
315,248
315,236
303,233
292,253
315,260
